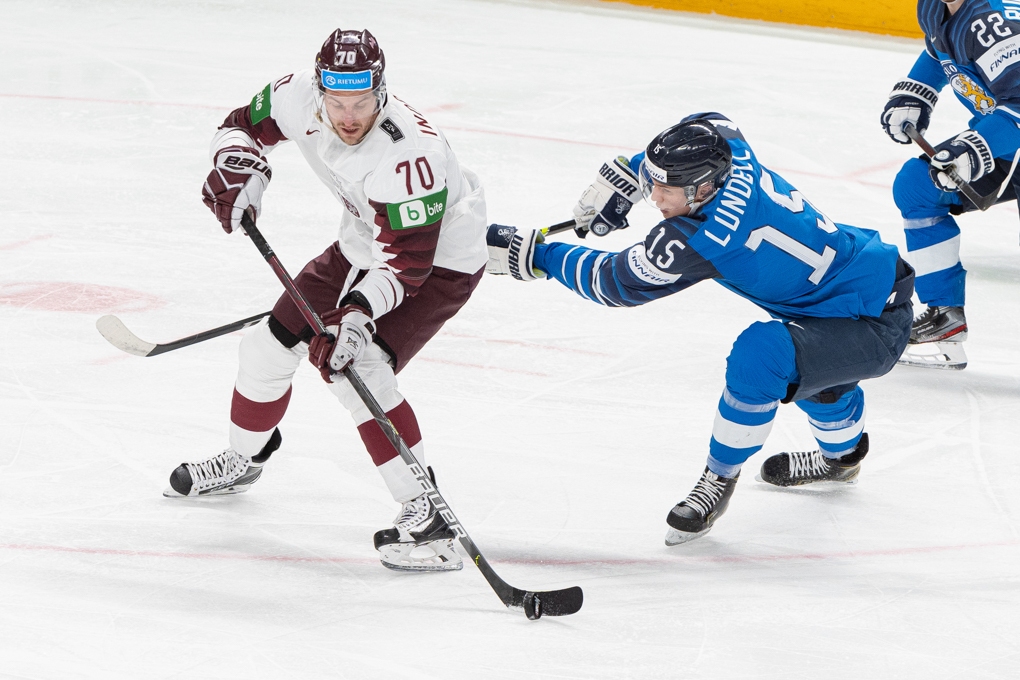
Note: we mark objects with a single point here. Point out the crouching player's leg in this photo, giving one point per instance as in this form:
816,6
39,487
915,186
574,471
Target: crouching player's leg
759,371
832,355
838,425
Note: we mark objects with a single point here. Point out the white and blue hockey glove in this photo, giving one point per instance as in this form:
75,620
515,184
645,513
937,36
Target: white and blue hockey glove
512,251
604,205
968,152
911,101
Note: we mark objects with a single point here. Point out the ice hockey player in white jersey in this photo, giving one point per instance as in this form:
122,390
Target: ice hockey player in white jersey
410,251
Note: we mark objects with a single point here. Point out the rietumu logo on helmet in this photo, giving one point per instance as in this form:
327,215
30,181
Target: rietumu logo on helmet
351,61
346,82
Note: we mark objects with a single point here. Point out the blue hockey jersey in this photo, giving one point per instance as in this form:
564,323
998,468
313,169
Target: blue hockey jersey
758,236
977,52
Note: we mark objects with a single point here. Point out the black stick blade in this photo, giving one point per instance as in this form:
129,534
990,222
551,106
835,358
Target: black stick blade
548,603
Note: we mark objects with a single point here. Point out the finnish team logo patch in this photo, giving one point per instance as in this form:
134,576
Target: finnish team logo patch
346,82
966,87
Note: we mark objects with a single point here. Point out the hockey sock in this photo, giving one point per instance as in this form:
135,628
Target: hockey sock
740,430
262,389
723,469
838,426
394,471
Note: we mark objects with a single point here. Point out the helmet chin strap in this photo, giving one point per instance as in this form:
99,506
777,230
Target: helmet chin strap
691,193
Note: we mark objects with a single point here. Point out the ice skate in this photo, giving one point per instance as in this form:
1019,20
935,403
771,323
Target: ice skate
225,473
809,467
419,540
935,339
694,516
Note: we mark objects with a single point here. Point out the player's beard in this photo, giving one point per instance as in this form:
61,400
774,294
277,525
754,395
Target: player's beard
352,136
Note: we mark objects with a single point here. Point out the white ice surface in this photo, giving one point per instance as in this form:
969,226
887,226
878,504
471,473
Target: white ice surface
562,432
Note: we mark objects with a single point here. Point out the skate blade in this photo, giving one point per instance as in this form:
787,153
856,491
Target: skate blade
676,537
820,482
943,355
434,556
169,492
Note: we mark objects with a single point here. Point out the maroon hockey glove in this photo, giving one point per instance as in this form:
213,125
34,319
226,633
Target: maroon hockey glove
236,183
353,328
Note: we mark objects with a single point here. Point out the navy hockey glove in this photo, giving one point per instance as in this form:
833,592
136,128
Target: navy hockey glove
911,101
968,152
512,251
236,183
603,206
352,329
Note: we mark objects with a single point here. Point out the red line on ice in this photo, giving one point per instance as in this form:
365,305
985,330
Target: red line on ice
502,133
679,558
95,100
24,242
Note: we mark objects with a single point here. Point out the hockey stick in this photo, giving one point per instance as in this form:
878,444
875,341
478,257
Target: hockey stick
121,337
979,201
557,228
535,604
118,335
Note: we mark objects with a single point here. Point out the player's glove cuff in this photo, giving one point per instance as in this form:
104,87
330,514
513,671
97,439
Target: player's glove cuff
512,251
967,155
910,101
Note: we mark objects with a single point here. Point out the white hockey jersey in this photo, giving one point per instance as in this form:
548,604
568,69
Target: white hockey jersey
409,205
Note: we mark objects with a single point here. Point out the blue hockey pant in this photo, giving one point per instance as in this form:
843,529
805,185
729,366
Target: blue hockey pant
816,363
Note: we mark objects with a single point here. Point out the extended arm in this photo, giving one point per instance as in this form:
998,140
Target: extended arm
664,264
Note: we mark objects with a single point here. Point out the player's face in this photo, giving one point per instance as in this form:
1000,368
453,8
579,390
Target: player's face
351,115
671,201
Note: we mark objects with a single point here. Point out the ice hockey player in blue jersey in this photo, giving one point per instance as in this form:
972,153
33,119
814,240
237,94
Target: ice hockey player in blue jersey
839,297
973,46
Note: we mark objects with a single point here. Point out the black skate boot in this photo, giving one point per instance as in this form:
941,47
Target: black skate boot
225,473
419,540
694,516
939,324
936,340
808,467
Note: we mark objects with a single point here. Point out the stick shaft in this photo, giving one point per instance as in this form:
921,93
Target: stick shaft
979,201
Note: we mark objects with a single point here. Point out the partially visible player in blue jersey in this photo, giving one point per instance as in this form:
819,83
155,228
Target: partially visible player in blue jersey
974,46
840,297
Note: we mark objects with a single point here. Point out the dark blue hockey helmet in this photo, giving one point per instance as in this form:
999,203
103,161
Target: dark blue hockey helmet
688,155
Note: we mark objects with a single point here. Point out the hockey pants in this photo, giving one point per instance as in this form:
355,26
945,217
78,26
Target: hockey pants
816,363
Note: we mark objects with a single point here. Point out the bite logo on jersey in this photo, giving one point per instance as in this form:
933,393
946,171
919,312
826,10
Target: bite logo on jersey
346,82
1001,56
261,105
974,93
419,212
